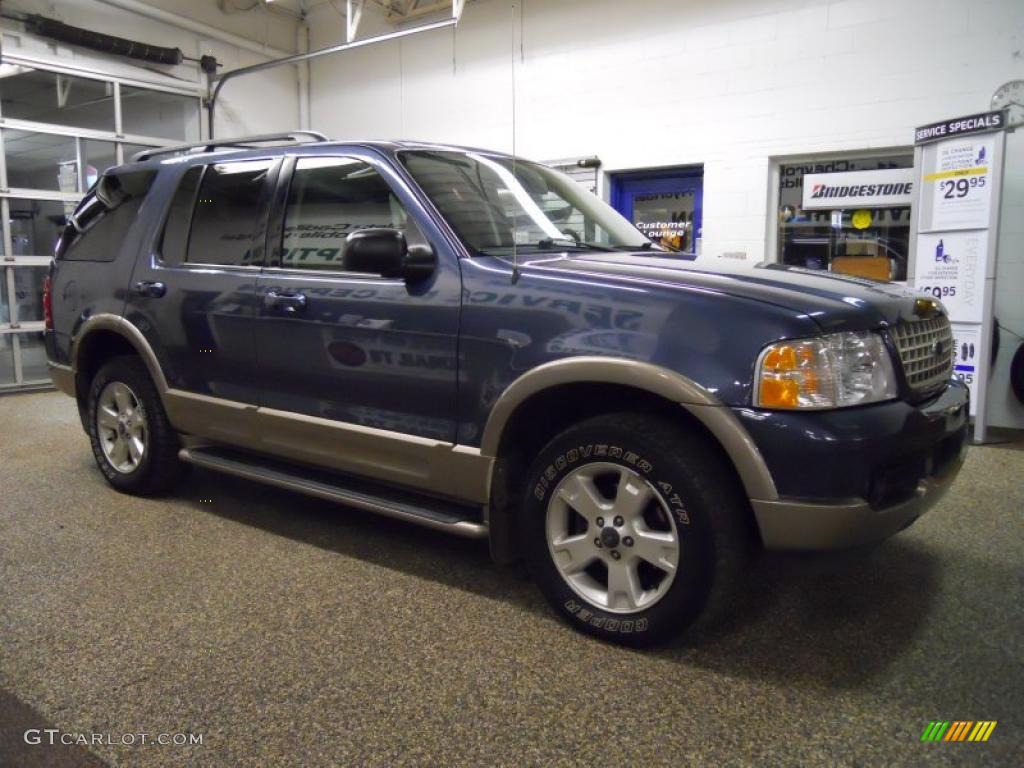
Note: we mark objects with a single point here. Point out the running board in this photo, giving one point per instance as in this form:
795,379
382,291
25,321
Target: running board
441,515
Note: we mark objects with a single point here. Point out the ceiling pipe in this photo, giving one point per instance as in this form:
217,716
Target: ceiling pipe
223,77
142,9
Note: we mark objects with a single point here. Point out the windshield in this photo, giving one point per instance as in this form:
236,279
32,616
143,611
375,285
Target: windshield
493,206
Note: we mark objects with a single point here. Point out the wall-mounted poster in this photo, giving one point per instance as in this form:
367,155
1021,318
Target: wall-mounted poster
966,354
951,267
958,180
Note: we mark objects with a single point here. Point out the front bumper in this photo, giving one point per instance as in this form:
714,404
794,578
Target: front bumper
797,525
854,476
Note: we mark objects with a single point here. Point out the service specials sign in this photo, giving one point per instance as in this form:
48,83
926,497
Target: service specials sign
956,162
884,188
959,183
956,172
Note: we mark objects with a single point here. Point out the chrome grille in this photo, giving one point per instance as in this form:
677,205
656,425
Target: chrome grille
926,351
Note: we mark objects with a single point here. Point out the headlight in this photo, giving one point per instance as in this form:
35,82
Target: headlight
826,372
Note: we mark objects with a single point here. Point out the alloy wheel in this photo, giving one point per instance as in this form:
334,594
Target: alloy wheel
121,427
612,538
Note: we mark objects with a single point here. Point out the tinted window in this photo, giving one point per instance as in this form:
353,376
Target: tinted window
226,213
179,217
103,217
329,198
495,202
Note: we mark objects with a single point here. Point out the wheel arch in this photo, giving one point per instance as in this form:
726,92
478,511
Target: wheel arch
547,399
104,336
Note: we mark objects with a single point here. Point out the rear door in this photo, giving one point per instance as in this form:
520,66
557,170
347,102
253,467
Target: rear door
194,297
363,354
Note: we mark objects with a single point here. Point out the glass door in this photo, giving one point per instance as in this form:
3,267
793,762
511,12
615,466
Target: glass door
59,132
665,205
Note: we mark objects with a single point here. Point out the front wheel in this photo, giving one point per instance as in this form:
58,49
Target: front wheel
632,527
134,444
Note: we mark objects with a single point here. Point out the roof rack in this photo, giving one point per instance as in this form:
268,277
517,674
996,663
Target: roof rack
299,137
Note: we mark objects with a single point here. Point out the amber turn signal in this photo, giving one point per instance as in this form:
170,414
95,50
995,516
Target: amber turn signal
825,372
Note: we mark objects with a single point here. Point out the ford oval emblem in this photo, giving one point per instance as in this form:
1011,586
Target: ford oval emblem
926,308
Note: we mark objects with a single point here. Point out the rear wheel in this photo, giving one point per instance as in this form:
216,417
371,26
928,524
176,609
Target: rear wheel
132,441
632,527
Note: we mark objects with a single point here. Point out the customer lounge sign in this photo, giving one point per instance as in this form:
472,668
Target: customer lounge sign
884,188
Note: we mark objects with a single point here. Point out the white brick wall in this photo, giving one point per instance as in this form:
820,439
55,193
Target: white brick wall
732,85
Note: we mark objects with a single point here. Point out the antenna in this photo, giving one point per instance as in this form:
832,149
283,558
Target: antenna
515,233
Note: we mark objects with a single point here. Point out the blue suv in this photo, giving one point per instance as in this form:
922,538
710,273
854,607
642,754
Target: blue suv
474,343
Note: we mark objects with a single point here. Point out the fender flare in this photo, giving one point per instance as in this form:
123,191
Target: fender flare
717,418
131,334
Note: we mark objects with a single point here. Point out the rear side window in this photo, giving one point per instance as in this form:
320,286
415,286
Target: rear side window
179,217
227,211
98,226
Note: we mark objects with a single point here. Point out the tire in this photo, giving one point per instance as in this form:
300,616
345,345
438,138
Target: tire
682,506
134,444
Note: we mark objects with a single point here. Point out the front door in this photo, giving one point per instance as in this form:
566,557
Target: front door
664,205
358,371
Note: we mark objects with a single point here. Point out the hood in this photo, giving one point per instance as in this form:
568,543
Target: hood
834,302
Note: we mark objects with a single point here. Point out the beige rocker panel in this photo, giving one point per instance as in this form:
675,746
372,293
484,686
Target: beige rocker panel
63,377
704,406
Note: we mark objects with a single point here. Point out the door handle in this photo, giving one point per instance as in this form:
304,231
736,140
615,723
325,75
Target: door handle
150,289
287,302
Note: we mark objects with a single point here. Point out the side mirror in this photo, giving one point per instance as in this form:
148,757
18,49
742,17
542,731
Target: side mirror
420,262
385,252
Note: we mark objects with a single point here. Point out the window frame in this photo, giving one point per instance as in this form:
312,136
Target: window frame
14,322
279,211
165,217
67,68
262,220
15,334
116,137
772,254
9,262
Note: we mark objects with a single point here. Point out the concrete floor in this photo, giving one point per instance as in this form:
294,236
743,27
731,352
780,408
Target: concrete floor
289,631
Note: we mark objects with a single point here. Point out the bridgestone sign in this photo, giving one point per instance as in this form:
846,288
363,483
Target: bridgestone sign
885,188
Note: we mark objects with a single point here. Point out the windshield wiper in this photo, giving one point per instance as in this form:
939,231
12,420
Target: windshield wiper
554,242
549,243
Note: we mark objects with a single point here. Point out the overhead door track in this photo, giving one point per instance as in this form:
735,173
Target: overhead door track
221,79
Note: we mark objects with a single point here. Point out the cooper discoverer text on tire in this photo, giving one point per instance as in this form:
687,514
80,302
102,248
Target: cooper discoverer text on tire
134,444
632,528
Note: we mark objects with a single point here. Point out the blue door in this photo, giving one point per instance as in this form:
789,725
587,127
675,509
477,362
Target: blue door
353,347
665,205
